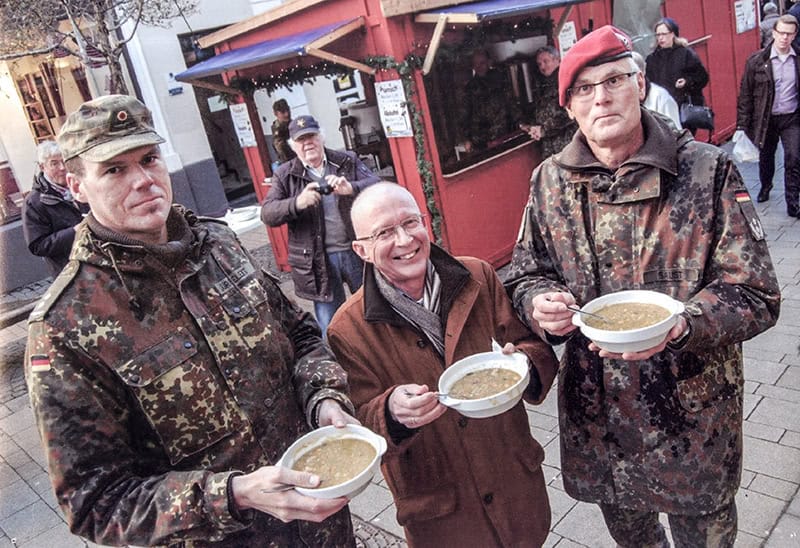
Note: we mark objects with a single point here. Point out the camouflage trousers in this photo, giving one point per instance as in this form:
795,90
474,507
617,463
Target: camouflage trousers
638,529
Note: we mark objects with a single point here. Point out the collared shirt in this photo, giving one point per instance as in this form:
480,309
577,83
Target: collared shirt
64,191
318,173
785,75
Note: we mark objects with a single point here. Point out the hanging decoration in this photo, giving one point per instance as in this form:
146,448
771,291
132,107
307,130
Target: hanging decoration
288,78
405,70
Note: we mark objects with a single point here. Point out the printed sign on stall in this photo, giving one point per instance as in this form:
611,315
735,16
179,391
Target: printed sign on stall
241,122
393,109
745,15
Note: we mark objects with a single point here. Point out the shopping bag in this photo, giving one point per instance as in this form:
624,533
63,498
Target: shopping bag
696,116
743,149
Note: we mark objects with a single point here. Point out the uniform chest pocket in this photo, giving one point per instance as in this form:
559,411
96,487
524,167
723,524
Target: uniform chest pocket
180,397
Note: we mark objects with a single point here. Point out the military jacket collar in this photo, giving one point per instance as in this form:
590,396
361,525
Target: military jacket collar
638,177
96,244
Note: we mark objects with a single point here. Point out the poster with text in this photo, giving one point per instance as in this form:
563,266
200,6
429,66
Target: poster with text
567,37
745,15
393,109
242,125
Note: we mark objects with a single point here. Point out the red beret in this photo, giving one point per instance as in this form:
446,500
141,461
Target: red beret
601,46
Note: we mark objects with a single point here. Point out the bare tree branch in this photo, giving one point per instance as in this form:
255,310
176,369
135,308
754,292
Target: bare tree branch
33,27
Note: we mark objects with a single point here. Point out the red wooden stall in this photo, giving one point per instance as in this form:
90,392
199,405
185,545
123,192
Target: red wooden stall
477,203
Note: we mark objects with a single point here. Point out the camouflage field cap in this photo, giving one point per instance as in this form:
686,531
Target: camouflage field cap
106,127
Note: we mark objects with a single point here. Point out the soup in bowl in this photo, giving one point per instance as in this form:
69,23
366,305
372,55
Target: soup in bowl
633,320
345,459
486,384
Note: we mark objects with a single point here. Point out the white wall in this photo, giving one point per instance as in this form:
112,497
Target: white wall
323,106
156,54
20,148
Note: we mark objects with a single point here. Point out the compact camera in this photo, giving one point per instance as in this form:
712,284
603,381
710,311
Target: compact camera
324,188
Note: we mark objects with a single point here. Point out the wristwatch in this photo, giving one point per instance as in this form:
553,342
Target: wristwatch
683,338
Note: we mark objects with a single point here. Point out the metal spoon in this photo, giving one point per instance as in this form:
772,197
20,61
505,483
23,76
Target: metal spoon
578,310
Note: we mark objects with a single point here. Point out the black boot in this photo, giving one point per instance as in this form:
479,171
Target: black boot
763,194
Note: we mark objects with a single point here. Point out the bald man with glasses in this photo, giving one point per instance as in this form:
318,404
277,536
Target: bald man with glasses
456,481
633,203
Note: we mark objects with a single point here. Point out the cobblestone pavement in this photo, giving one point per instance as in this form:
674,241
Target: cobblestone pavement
768,501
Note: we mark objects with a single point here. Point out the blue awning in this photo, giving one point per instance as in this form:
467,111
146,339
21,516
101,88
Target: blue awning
476,12
296,45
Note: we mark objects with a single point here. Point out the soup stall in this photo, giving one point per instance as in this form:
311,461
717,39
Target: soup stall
415,60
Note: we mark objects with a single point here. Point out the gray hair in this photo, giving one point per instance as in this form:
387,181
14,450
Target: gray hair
639,60
46,150
547,49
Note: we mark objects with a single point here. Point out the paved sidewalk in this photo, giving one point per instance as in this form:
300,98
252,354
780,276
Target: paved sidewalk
768,501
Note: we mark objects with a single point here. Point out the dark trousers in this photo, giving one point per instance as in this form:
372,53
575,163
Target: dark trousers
786,129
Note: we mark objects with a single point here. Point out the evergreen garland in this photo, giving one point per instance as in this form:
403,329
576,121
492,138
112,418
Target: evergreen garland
406,70
288,78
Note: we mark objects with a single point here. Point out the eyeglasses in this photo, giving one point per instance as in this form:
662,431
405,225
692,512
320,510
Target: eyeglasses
388,233
660,34
784,34
612,83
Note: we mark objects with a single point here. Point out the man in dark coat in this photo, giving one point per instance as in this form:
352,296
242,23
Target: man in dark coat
633,203
49,214
312,194
167,372
767,110
456,481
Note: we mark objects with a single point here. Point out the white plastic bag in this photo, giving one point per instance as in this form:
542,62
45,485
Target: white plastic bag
744,150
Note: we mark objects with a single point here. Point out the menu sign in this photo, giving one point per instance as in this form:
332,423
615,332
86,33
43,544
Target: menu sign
241,122
393,109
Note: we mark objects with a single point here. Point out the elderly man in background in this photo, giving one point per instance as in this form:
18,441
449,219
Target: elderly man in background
633,203
49,214
167,372
312,194
768,22
551,124
456,481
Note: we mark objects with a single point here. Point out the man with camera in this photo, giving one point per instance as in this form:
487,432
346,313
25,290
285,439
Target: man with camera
312,194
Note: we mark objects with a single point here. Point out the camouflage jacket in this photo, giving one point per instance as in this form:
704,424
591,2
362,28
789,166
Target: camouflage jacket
665,433
156,376
557,127
280,140
490,111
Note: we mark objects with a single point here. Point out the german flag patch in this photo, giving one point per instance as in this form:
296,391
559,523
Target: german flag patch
742,196
40,364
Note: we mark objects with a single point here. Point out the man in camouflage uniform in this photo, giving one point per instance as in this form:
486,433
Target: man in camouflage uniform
167,372
490,111
632,203
280,130
551,124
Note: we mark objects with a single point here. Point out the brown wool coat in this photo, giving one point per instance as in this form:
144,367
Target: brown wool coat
456,481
